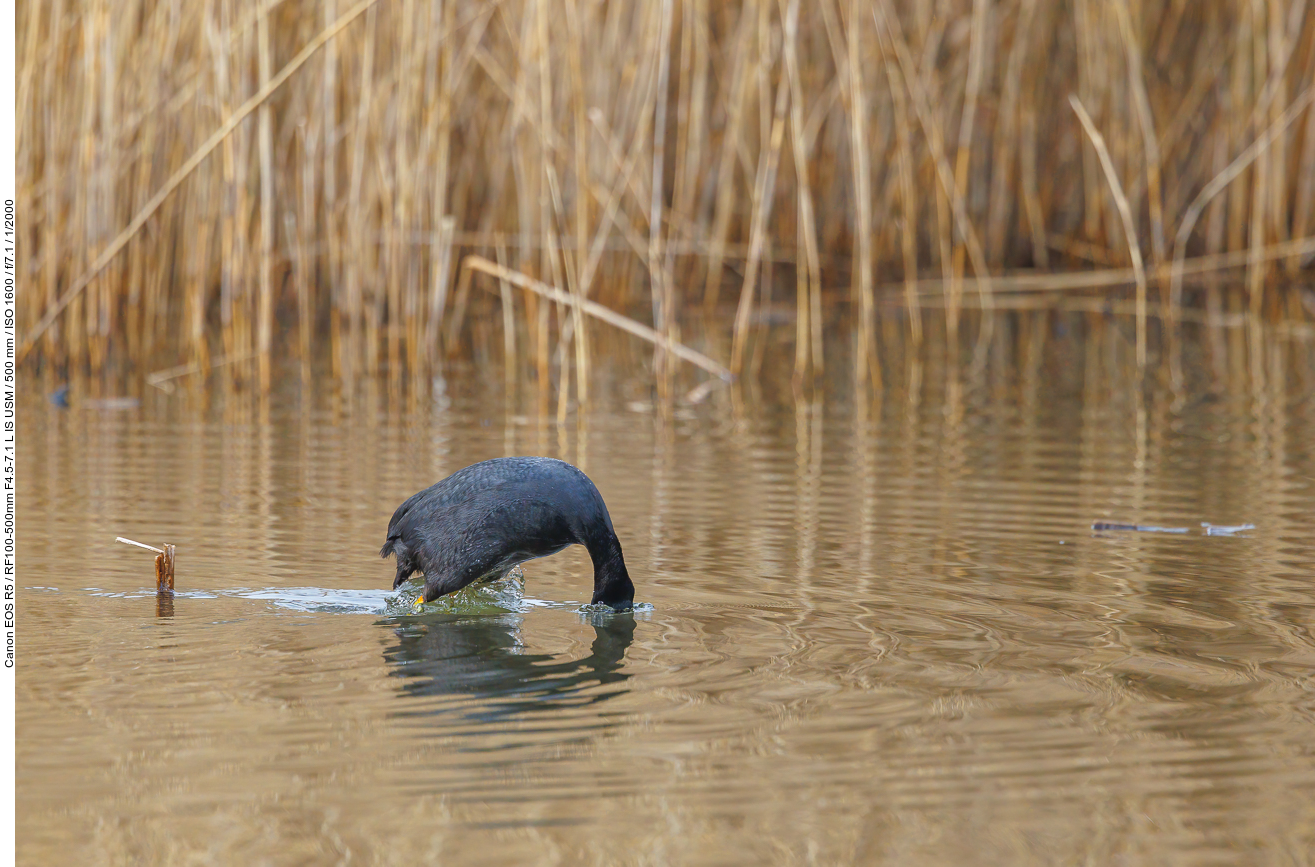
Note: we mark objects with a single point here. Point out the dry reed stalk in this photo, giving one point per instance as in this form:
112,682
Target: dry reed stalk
442,79
234,283
96,137
1223,179
660,280
1085,29
967,120
197,257
23,91
440,280
529,196
685,80
187,168
612,199
331,265
596,310
133,325
458,316
1004,151
1129,229
303,238
50,240
266,209
862,284
803,329
564,333
581,210
81,218
737,92
551,207
1260,176
1036,220
1074,281
1150,144
510,359
922,108
293,229
764,188
1239,95
908,196
935,140
691,109
395,202
1214,233
1303,208
1282,48
98,318
760,345
355,305
808,275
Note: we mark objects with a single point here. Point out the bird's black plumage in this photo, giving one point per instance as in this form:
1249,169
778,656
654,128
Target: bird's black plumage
481,521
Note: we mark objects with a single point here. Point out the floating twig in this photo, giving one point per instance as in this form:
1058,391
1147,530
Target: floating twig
1098,526
1207,529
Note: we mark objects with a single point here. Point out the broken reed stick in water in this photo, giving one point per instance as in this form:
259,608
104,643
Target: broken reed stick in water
164,564
164,570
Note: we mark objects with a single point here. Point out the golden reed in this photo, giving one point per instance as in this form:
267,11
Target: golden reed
238,181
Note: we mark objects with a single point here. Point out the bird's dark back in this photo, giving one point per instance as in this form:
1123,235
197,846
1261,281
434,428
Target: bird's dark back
509,491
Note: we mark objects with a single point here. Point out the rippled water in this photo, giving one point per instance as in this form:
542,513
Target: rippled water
882,631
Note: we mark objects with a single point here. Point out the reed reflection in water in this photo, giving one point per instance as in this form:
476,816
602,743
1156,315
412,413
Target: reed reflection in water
883,630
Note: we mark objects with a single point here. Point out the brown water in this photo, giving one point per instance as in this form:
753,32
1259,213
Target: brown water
878,633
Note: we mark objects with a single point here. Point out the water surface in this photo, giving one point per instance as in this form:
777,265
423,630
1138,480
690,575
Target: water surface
882,629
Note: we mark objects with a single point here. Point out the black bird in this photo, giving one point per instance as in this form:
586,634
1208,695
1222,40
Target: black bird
482,521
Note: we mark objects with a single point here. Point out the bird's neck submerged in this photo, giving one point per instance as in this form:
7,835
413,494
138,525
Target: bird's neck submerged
612,585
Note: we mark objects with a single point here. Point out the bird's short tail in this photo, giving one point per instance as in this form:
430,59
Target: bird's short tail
387,549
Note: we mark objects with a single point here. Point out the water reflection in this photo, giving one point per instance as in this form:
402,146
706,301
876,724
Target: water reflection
164,604
484,658
884,629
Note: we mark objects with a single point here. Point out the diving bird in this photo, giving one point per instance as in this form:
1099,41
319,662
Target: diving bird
483,520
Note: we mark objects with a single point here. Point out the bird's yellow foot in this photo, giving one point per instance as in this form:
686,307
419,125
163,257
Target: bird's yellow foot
420,602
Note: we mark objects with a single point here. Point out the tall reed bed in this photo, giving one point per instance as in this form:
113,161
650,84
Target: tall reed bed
653,157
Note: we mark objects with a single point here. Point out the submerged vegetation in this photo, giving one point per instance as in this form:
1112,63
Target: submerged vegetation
235,182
